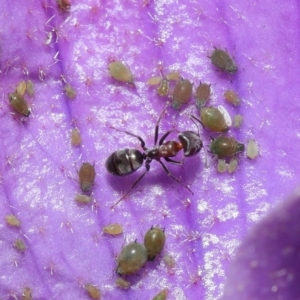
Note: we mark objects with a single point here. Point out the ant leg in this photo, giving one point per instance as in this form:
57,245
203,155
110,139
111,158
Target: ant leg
175,162
173,177
132,134
162,139
157,125
147,165
193,117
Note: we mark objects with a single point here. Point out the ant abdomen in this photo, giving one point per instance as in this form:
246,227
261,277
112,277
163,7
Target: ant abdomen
124,162
191,143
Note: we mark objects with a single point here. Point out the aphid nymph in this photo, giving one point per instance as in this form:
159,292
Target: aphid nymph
203,92
19,104
182,93
154,242
224,146
87,176
120,72
223,61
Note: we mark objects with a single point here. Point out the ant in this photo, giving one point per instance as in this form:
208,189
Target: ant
126,161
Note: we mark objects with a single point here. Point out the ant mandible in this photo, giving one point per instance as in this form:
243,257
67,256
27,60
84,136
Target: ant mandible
126,161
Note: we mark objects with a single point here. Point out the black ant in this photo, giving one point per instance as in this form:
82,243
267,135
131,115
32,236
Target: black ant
126,161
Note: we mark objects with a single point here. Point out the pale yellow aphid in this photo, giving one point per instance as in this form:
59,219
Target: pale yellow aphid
29,88
75,137
169,261
237,121
12,221
19,245
21,88
27,294
154,80
252,149
222,166
122,283
93,291
232,97
83,199
113,229
232,165
120,72
70,92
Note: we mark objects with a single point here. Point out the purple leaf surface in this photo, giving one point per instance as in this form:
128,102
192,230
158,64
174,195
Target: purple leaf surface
65,245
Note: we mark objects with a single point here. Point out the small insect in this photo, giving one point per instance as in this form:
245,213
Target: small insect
70,92
19,245
162,295
29,88
224,146
87,176
131,259
122,283
120,72
213,119
21,88
75,137
163,82
93,291
203,93
126,161
182,93
83,199
232,165
113,229
12,221
154,242
223,61
19,104
27,294
222,166
232,97
64,5
169,261
237,121
252,149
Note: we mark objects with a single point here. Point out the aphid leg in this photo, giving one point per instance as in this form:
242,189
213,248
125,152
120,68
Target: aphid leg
147,165
132,134
173,177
